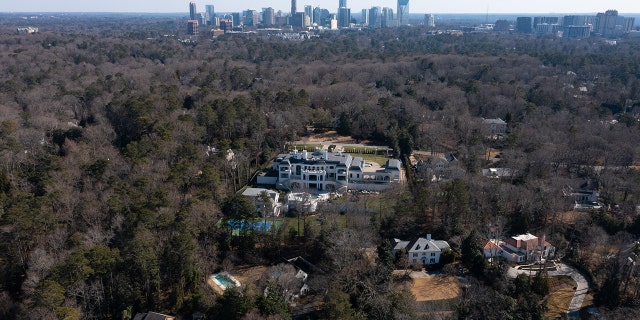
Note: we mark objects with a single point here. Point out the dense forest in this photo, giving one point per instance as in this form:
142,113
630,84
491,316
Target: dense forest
110,203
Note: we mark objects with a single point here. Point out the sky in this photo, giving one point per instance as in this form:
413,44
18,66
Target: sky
415,6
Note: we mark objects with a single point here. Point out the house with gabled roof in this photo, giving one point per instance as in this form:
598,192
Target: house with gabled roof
425,251
519,249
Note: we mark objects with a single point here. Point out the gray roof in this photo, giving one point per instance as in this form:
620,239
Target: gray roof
400,244
394,164
255,192
152,316
494,121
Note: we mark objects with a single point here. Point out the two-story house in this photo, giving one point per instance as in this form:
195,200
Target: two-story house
423,251
519,249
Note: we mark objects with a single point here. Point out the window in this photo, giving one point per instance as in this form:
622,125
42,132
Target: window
415,254
433,254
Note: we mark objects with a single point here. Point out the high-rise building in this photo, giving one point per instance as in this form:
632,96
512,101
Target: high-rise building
546,25
576,32
297,20
388,19
268,16
606,23
250,18
317,15
524,24
342,4
365,17
226,24
375,17
628,23
209,13
236,17
294,7
192,27
430,20
576,20
344,17
192,11
403,11
308,12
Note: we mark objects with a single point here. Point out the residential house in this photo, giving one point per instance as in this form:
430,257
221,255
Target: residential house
437,166
584,198
329,171
255,194
498,173
153,316
423,251
494,128
519,249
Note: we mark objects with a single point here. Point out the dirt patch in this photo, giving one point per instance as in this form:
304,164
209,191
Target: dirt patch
214,286
250,275
558,300
435,288
329,136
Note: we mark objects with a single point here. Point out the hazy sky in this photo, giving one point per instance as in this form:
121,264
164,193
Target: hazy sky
415,6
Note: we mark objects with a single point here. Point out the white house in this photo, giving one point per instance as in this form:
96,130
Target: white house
255,194
329,171
423,251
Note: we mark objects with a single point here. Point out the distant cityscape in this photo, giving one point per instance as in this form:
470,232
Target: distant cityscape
608,24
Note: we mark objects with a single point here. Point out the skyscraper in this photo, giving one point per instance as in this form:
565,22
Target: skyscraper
524,24
344,17
430,20
308,12
388,20
294,8
365,17
268,16
250,18
403,11
317,15
210,13
342,4
192,11
374,17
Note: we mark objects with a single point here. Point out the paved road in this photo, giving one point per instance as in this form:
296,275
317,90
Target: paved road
582,286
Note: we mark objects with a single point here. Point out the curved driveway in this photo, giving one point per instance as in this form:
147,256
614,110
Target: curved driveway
582,286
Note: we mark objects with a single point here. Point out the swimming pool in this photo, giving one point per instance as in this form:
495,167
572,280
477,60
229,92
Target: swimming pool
242,225
224,280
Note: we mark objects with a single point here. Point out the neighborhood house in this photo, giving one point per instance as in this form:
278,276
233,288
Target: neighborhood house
520,249
423,251
255,194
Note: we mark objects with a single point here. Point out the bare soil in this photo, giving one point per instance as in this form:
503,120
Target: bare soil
436,288
558,300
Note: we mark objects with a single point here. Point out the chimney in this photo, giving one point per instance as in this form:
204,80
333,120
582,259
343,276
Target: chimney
428,236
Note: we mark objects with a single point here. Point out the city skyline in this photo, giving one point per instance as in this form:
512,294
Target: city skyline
459,7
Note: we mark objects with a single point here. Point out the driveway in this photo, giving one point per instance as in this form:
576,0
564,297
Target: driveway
582,286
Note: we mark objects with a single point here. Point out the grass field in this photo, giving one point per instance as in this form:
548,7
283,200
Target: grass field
435,288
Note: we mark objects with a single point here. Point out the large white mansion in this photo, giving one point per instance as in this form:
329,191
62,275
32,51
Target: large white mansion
329,171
